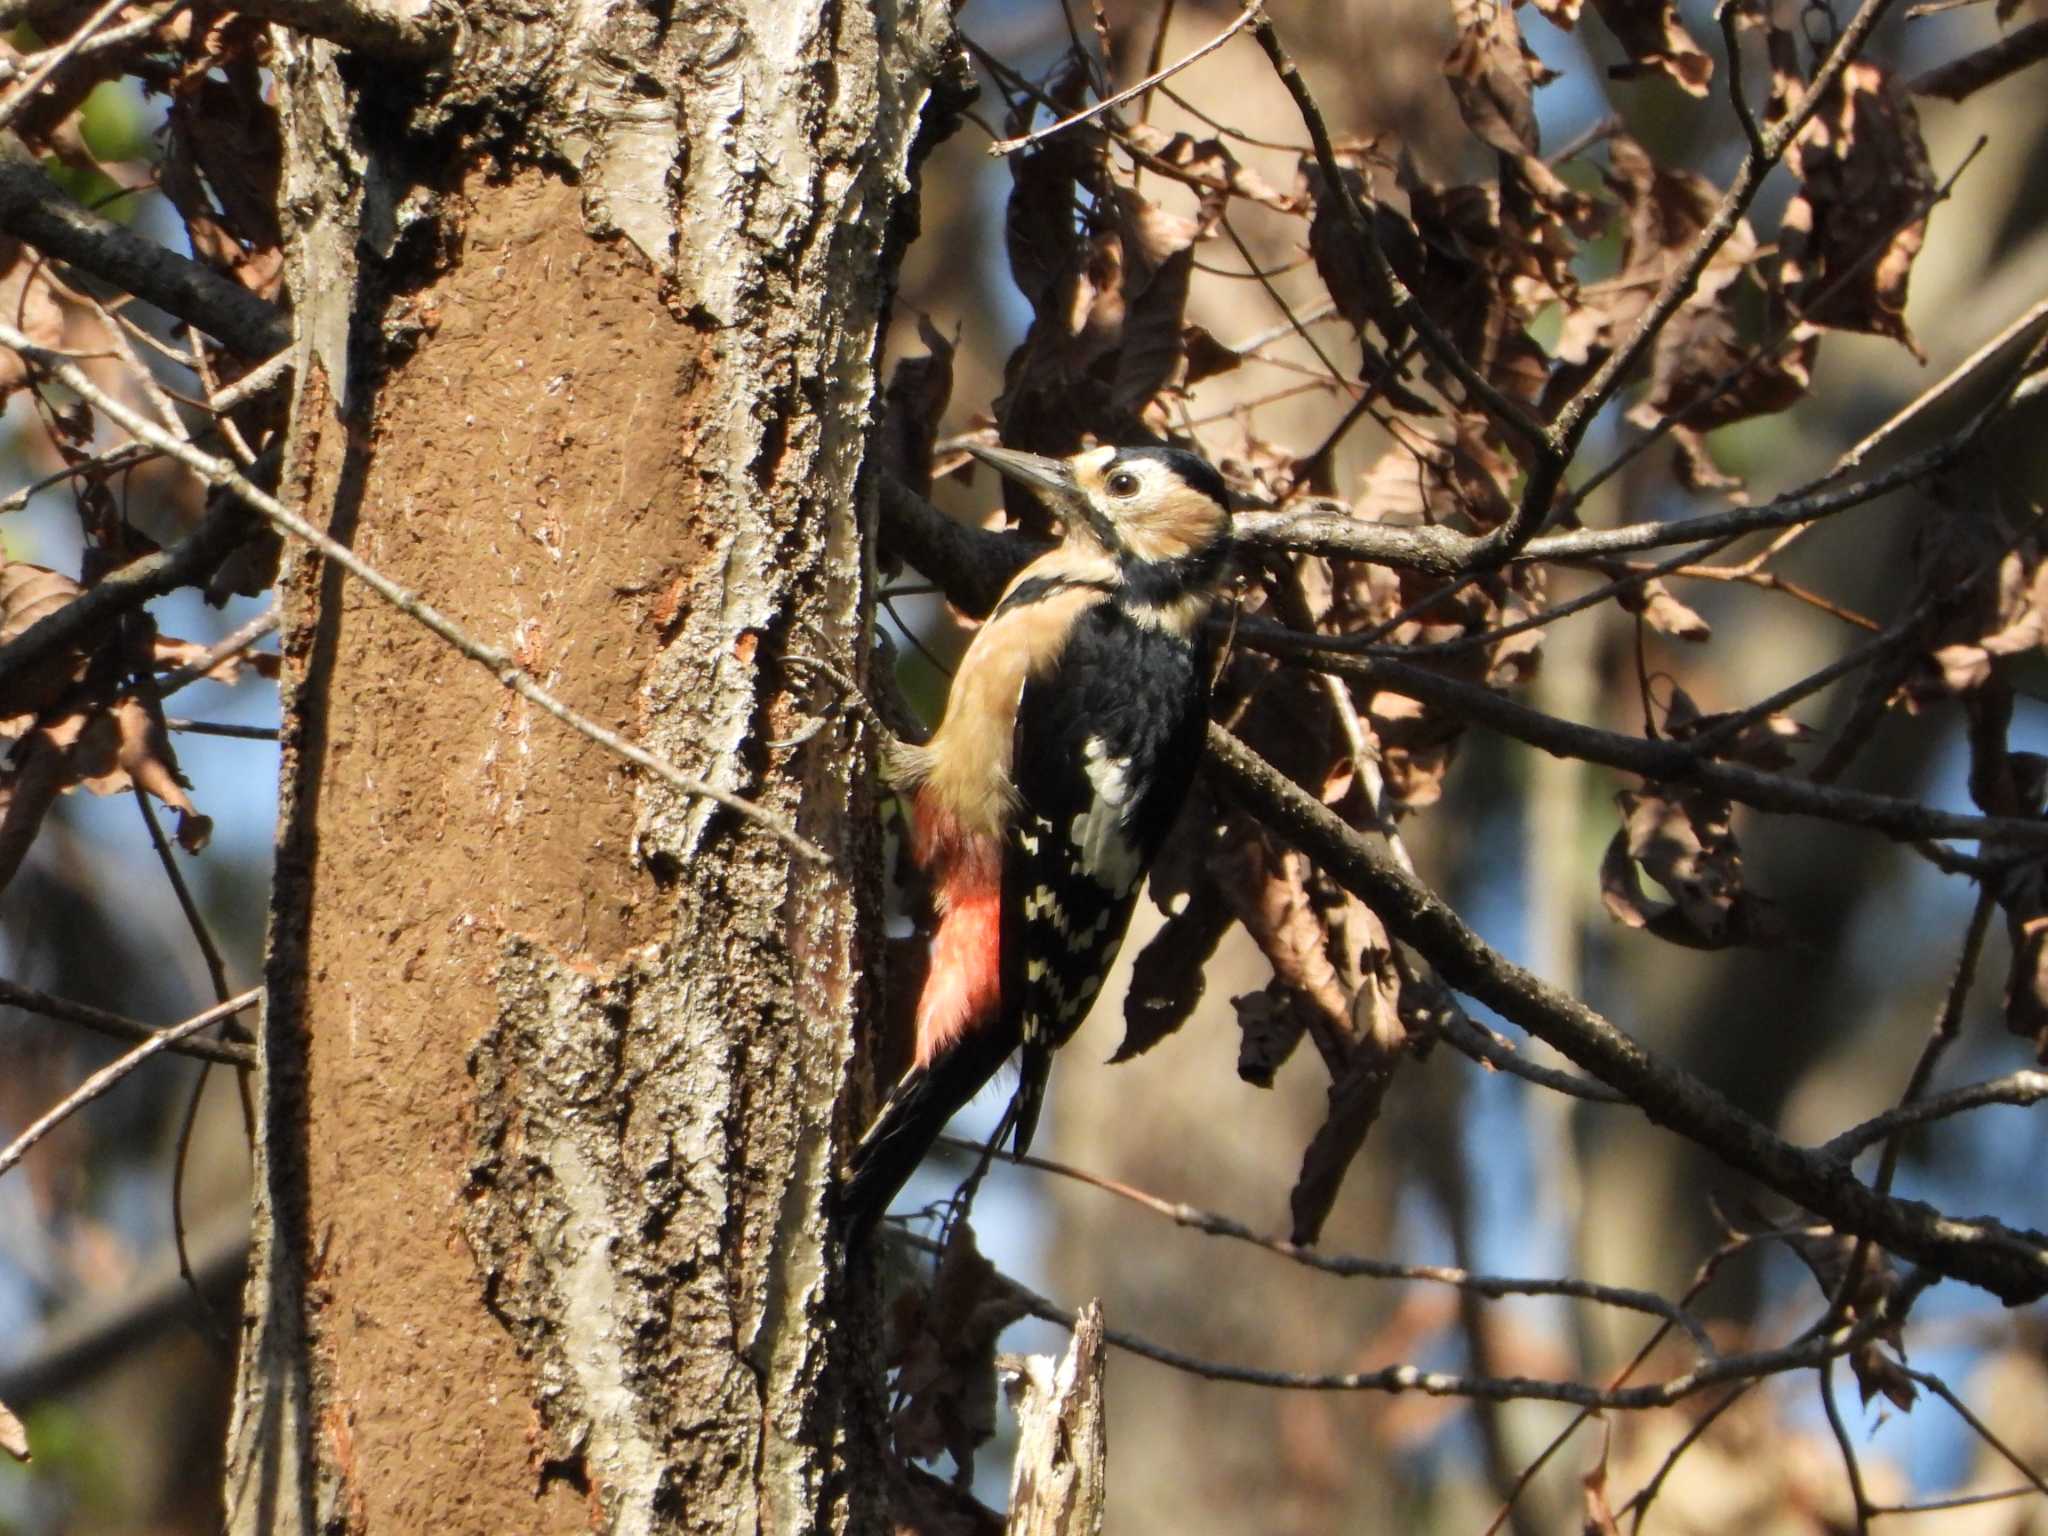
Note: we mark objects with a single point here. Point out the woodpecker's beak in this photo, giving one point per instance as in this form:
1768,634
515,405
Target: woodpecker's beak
1050,477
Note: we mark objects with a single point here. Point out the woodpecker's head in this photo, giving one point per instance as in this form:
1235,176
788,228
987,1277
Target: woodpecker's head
1143,507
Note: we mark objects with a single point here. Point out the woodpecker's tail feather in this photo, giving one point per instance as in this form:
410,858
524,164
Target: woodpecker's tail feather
910,1121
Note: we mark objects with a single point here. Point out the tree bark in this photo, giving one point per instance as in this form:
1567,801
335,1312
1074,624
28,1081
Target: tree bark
553,1056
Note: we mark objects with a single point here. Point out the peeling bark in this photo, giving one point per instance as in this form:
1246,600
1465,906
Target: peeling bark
554,1057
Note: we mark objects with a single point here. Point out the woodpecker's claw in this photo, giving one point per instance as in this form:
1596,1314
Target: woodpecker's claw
895,749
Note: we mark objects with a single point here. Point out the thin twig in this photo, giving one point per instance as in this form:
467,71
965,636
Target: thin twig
1901,820
111,1074
1641,1500
53,59
195,920
232,644
118,1026
222,474
1466,1035
1412,1378
221,728
252,383
1111,103
1983,1431
2020,1090
123,457
1851,1468
1355,1266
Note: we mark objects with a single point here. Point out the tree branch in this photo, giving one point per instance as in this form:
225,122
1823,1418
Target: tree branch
101,1081
2010,1263
1801,1355
368,27
35,210
119,1026
1902,820
126,589
1357,1267
223,475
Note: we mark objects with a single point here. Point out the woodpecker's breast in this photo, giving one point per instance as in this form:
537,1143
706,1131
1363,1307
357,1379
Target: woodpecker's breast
966,766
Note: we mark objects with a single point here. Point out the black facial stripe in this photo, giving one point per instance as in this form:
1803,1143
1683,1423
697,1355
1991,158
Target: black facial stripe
1153,582
1035,589
1192,469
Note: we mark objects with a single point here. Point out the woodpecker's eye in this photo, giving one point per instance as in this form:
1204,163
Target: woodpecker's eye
1122,483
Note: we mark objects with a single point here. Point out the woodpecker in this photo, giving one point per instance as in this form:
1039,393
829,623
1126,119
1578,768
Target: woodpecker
1071,734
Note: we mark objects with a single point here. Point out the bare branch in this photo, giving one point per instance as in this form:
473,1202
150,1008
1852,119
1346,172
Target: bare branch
1354,1266
2021,1089
1803,1355
111,1074
120,1027
1987,66
1901,820
2010,1263
35,210
1110,103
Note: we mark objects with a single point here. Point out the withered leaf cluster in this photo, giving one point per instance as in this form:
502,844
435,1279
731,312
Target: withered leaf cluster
942,1345
86,714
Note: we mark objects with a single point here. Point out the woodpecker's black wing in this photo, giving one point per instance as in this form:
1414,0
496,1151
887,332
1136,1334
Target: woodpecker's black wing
1106,746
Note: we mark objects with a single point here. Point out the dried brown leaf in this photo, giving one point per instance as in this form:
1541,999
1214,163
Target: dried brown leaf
1599,1519
1210,161
1149,350
1654,38
29,593
104,748
1763,743
1168,976
1663,211
1039,229
1684,840
919,390
1698,352
1270,1023
1828,1256
168,652
1654,604
29,303
1270,897
1206,356
1355,1097
945,1354
1463,482
1493,74
1702,371
1864,181
1982,623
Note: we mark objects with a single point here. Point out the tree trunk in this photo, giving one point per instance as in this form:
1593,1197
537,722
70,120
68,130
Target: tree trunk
586,343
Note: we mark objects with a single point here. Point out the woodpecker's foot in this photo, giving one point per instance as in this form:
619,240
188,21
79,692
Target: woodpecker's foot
895,750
